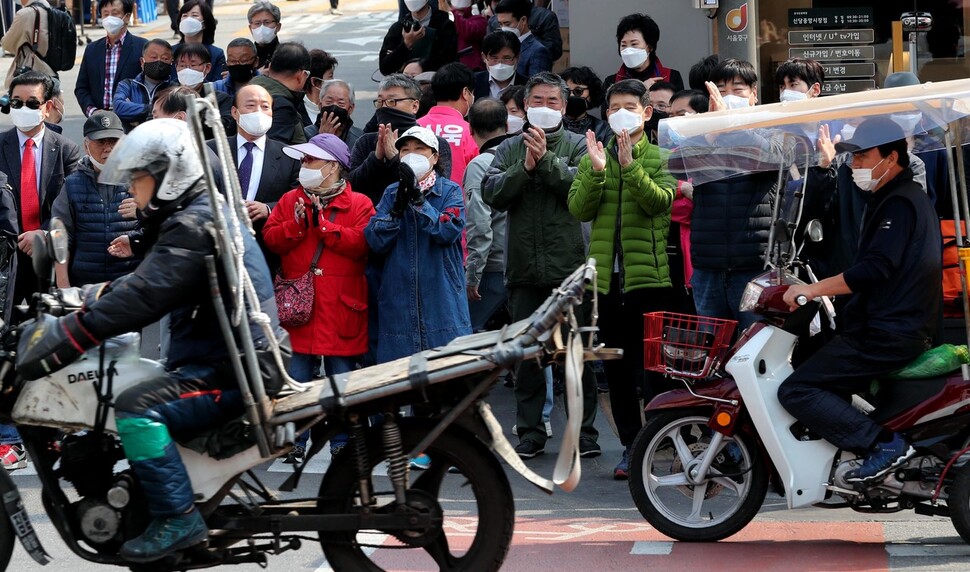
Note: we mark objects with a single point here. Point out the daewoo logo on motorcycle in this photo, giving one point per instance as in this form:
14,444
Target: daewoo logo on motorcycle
90,375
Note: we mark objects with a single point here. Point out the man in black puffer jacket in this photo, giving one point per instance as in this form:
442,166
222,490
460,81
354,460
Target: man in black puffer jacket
732,217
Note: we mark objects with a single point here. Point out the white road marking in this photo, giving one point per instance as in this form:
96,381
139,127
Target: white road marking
652,548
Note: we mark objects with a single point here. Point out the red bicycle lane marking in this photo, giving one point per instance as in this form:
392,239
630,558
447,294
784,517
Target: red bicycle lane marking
601,544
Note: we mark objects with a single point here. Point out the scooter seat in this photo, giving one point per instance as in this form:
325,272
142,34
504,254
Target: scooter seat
893,396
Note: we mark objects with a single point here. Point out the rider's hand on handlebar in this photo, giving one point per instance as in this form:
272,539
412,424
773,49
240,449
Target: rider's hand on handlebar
796,290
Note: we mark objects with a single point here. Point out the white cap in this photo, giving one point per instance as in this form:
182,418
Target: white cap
422,134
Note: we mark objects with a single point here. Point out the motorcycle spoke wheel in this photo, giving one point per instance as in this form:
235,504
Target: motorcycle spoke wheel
475,504
668,450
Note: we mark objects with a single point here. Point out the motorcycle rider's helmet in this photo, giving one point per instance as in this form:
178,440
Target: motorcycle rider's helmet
164,148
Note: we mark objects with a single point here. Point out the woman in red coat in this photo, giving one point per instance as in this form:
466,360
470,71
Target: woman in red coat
324,213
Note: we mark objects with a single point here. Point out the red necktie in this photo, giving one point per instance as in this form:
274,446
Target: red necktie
29,198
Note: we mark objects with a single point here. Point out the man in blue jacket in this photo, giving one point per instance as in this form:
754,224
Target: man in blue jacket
109,60
133,98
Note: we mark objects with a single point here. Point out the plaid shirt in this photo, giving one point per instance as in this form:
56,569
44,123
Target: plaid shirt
112,54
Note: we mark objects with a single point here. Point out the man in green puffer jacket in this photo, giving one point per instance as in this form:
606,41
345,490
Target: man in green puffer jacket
626,191
530,178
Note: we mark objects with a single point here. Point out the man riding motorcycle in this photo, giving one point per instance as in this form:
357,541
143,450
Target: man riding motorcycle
198,391
894,312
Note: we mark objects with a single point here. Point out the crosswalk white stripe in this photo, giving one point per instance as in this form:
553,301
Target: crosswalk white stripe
652,548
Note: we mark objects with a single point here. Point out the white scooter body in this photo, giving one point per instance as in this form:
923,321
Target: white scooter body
803,466
68,400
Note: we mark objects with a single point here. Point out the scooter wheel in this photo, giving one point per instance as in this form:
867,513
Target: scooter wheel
667,450
958,501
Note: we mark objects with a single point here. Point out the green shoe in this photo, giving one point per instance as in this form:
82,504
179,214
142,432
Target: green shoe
165,536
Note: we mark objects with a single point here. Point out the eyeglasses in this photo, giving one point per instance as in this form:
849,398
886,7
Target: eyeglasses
507,60
578,90
30,103
257,23
661,106
392,102
338,102
239,63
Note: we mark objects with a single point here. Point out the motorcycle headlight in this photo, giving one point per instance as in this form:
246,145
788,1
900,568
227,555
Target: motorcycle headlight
752,292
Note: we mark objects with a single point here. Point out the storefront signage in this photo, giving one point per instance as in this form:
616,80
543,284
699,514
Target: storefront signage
847,86
849,70
831,37
830,17
829,53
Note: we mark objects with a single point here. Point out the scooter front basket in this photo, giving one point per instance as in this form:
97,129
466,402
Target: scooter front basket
683,345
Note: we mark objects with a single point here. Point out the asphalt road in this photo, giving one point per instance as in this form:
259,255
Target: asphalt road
596,527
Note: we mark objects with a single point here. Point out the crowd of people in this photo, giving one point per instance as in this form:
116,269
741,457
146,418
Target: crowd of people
481,182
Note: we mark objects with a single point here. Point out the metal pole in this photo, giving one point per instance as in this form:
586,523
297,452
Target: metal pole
959,200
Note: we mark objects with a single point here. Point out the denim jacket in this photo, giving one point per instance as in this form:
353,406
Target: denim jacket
421,302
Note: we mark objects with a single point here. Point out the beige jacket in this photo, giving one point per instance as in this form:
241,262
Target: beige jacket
20,37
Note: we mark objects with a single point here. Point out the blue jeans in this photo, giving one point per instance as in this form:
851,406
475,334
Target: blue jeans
9,435
492,291
717,294
304,367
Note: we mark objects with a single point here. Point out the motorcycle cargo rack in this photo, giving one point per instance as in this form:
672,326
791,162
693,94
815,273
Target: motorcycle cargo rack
684,345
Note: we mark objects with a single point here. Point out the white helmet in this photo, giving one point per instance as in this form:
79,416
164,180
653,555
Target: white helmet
164,148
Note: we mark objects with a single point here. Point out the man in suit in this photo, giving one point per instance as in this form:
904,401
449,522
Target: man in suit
265,172
534,57
500,52
110,59
36,160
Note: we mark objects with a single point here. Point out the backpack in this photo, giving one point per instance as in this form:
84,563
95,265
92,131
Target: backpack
61,41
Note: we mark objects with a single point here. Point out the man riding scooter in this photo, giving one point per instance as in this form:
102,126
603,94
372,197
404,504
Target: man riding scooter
198,391
893,314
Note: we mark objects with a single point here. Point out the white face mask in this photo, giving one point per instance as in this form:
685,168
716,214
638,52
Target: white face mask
94,162
264,35
190,77
501,72
420,164
256,123
543,117
514,124
25,118
190,26
792,95
908,121
863,177
633,58
847,131
415,5
112,25
513,30
623,119
310,178
736,102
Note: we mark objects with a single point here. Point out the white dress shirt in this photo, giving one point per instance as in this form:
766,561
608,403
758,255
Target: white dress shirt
258,153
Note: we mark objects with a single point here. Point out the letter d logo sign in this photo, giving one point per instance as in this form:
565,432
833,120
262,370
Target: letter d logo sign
737,19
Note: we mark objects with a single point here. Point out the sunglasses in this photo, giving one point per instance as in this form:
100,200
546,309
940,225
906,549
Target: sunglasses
30,103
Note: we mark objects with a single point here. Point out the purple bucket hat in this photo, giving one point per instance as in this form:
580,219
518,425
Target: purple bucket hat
326,146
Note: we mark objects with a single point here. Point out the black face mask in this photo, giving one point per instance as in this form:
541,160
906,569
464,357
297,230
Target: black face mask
241,73
395,117
576,106
345,121
653,126
158,71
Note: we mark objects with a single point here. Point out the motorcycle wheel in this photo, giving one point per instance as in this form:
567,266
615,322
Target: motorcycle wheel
477,506
958,501
716,509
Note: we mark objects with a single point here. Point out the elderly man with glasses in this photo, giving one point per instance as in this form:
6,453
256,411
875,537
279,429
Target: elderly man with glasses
264,25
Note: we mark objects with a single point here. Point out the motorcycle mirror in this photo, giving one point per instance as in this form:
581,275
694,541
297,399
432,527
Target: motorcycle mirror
58,240
813,230
41,260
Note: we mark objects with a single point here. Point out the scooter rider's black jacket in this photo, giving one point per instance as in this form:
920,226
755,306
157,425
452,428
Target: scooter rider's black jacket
896,278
